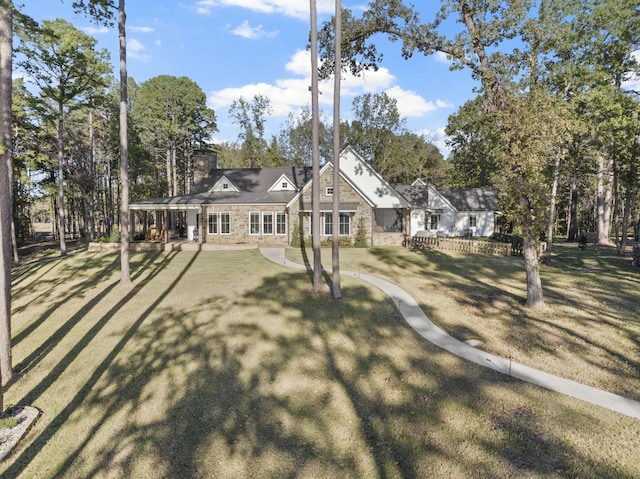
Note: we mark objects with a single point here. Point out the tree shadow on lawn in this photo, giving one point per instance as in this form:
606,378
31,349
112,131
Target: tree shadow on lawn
301,386
54,374
86,276
531,331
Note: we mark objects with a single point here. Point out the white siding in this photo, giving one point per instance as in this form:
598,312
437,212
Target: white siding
456,223
372,185
418,222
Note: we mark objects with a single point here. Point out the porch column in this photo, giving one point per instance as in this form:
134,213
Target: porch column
158,222
167,219
201,234
132,224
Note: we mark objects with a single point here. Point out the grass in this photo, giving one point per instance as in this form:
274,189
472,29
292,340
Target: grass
221,364
590,331
8,422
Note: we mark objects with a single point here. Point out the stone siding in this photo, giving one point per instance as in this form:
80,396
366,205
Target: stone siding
362,215
239,225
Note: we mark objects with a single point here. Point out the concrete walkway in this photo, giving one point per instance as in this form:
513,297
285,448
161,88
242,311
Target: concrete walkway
418,320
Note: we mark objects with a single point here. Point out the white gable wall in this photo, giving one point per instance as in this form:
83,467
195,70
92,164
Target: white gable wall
453,222
370,183
280,184
223,185
441,207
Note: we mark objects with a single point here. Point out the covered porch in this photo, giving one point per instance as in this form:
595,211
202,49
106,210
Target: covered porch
165,222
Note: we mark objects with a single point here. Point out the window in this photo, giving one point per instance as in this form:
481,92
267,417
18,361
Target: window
329,191
389,220
285,185
473,221
213,224
281,223
225,186
345,224
433,222
267,223
225,223
254,223
328,224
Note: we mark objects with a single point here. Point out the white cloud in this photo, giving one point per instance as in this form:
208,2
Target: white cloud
286,95
96,30
133,28
372,81
291,94
247,31
135,49
411,103
442,58
290,8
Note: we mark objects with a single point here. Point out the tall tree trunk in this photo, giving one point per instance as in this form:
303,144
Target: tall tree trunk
315,140
92,190
552,206
335,239
14,237
535,297
604,199
6,201
622,246
174,169
572,224
124,150
530,234
61,218
168,160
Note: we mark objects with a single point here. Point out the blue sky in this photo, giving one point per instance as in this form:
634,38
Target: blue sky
234,48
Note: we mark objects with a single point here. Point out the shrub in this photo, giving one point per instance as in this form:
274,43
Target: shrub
114,237
360,240
296,239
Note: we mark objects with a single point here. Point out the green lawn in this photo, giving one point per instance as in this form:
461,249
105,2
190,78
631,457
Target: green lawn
590,331
221,364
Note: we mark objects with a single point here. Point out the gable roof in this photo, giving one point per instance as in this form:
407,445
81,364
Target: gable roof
461,199
369,182
193,201
254,179
328,206
416,195
471,199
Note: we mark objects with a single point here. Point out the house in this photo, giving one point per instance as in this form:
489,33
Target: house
450,212
273,206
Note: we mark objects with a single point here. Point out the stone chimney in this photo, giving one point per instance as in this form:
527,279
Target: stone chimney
204,162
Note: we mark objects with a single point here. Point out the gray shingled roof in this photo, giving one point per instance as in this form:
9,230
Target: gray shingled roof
253,184
254,179
462,199
220,198
471,199
416,195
